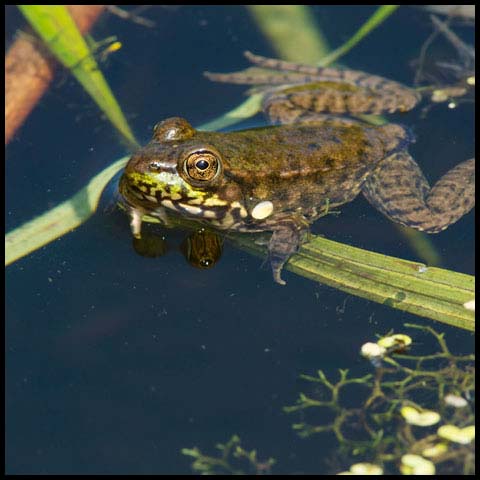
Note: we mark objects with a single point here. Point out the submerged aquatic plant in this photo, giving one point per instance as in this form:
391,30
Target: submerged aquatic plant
415,416
406,419
233,460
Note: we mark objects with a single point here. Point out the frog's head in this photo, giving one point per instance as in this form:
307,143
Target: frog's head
181,171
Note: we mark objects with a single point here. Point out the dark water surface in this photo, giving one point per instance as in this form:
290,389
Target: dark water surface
114,361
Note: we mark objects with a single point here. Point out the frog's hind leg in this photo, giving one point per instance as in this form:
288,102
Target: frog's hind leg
326,96
343,75
337,90
281,65
249,77
399,190
282,245
271,72
319,89
284,242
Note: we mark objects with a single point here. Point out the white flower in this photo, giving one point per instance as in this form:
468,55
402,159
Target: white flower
397,340
363,469
416,465
434,450
455,401
421,418
372,350
463,436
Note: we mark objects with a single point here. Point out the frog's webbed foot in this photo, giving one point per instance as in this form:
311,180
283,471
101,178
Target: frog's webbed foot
399,190
284,242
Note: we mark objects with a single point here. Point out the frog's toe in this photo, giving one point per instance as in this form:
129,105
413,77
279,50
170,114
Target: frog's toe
277,262
136,215
277,277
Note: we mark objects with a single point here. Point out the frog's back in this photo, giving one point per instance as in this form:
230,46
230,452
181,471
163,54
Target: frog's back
302,149
305,163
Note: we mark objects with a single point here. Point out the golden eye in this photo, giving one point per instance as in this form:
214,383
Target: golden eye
202,166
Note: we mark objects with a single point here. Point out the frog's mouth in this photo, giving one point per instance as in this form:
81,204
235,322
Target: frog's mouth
171,192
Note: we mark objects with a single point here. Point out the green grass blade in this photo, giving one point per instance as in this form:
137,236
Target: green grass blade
410,286
378,17
59,220
421,244
280,24
58,30
250,107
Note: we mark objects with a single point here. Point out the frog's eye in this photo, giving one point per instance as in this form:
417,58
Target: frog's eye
202,165
173,129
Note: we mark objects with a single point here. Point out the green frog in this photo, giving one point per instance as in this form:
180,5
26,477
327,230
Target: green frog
281,178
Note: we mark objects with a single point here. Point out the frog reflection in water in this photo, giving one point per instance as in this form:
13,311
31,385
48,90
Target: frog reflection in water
282,178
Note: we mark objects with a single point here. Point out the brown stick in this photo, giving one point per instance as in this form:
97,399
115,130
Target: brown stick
29,70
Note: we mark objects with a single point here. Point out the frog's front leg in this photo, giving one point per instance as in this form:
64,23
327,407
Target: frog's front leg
398,189
287,236
136,214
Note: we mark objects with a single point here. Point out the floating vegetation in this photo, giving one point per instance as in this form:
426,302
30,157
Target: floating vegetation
413,415
455,401
419,417
233,460
363,469
395,341
464,436
407,395
448,80
416,465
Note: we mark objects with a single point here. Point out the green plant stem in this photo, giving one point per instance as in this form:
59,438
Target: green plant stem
379,16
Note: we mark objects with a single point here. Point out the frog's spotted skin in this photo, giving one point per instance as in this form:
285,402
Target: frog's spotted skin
398,189
321,90
283,178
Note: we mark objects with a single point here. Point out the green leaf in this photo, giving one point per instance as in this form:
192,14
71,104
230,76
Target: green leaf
59,220
58,30
410,286
378,17
250,107
280,24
